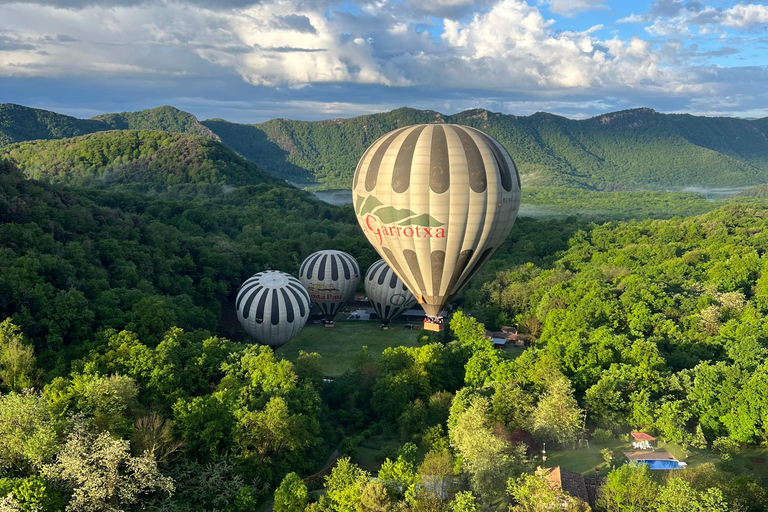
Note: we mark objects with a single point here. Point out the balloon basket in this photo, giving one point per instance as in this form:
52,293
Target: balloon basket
433,327
330,324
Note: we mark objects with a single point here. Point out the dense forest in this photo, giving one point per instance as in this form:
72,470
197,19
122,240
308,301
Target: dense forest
126,383
147,161
629,150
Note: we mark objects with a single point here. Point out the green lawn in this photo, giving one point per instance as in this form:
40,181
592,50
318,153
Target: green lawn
338,345
585,460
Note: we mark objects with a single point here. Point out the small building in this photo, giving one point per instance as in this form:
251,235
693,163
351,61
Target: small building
655,460
504,336
643,441
562,479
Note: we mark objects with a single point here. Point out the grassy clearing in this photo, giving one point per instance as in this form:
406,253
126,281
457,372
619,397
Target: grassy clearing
585,460
340,344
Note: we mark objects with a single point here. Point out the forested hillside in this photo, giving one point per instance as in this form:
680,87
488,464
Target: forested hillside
19,123
633,149
148,161
629,150
124,386
163,118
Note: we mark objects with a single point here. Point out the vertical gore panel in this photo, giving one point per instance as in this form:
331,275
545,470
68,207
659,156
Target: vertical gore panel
288,306
382,277
478,265
334,269
357,169
261,306
299,300
392,261
392,280
300,288
477,179
302,267
372,173
501,162
311,266
386,312
321,268
275,313
244,291
401,175
413,264
438,262
344,266
439,170
248,303
461,265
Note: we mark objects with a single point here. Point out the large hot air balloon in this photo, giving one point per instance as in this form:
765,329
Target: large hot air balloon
331,278
272,307
436,201
387,293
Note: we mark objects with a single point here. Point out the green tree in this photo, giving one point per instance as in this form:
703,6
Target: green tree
464,501
17,359
291,495
698,440
437,473
488,460
557,415
101,473
679,496
628,489
533,493
344,487
28,437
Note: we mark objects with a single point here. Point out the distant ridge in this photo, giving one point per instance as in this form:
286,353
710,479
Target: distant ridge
165,118
625,150
636,149
19,123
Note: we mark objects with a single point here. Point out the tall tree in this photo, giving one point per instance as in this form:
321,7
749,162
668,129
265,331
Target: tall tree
557,415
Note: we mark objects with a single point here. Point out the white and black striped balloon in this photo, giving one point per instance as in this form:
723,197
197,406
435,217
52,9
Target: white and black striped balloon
387,293
331,278
272,307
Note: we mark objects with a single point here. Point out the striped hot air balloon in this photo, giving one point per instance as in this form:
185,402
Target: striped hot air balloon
331,278
272,307
436,201
387,293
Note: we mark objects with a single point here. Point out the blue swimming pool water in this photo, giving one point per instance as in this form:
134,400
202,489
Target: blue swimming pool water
662,464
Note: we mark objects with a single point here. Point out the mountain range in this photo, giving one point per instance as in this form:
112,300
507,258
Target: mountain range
628,150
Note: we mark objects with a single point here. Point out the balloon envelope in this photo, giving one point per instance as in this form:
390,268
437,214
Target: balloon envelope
272,307
436,201
331,278
387,293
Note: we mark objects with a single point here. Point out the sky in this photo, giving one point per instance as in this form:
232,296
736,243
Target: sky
249,61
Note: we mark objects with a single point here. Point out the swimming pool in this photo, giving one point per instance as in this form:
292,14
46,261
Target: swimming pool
663,464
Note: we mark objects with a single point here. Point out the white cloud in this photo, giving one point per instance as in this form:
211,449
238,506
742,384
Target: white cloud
505,48
573,7
745,16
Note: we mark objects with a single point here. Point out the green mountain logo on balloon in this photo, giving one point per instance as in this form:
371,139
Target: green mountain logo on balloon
391,215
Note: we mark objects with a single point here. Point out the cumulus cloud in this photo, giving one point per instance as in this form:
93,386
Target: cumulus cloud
454,48
573,7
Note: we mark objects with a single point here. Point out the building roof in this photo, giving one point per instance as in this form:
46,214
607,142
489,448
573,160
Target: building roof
568,481
642,436
649,456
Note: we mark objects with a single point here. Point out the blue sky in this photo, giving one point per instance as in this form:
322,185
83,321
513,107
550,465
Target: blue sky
248,61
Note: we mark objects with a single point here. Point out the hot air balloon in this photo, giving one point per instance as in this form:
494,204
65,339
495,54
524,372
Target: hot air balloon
331,278
272,307
436,201
387,293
